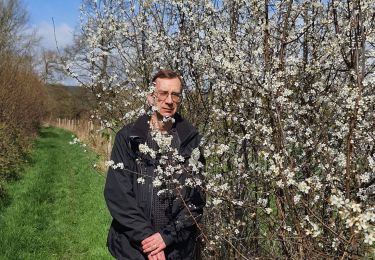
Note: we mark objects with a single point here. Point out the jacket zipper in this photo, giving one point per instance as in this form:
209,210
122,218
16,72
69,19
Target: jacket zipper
152,194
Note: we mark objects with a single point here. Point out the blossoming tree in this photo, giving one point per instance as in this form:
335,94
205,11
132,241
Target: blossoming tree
283,94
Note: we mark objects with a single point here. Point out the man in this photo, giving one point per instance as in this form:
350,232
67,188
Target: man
147,225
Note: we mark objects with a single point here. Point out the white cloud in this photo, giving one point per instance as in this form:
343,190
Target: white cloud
64,35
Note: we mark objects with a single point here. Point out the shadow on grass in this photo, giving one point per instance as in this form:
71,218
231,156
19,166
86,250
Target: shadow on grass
39,145
8,179
5,200
46,133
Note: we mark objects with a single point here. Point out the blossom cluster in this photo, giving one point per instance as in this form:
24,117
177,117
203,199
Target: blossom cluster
114,165
77,141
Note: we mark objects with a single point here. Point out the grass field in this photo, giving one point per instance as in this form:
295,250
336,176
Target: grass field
56,210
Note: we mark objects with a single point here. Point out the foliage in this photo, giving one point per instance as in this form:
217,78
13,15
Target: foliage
283,93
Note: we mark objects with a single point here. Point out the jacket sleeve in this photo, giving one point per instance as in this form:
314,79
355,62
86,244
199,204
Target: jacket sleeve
119,194
189,213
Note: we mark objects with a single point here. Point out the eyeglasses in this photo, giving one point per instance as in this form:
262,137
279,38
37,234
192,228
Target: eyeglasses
163,95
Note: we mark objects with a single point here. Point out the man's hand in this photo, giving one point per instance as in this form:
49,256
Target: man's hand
158,256
153,245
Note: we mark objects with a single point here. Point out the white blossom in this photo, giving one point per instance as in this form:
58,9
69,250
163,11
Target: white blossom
216,201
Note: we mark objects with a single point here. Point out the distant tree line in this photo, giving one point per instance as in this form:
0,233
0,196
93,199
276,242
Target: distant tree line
69,102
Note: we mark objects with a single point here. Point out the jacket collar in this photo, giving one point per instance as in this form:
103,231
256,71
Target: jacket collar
141,128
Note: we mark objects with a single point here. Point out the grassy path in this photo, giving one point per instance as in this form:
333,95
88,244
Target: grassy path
57,209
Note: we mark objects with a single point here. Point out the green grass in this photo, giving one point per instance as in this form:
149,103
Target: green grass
57,210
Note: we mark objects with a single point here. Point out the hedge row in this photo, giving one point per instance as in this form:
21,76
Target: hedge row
22,107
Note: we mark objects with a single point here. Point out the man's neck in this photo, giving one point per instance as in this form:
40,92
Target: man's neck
156,122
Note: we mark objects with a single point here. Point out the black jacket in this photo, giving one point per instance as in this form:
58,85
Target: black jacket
130,202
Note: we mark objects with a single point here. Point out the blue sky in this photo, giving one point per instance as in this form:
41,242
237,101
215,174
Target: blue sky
65,14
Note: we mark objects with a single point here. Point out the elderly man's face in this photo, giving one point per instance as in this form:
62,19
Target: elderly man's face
167,96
